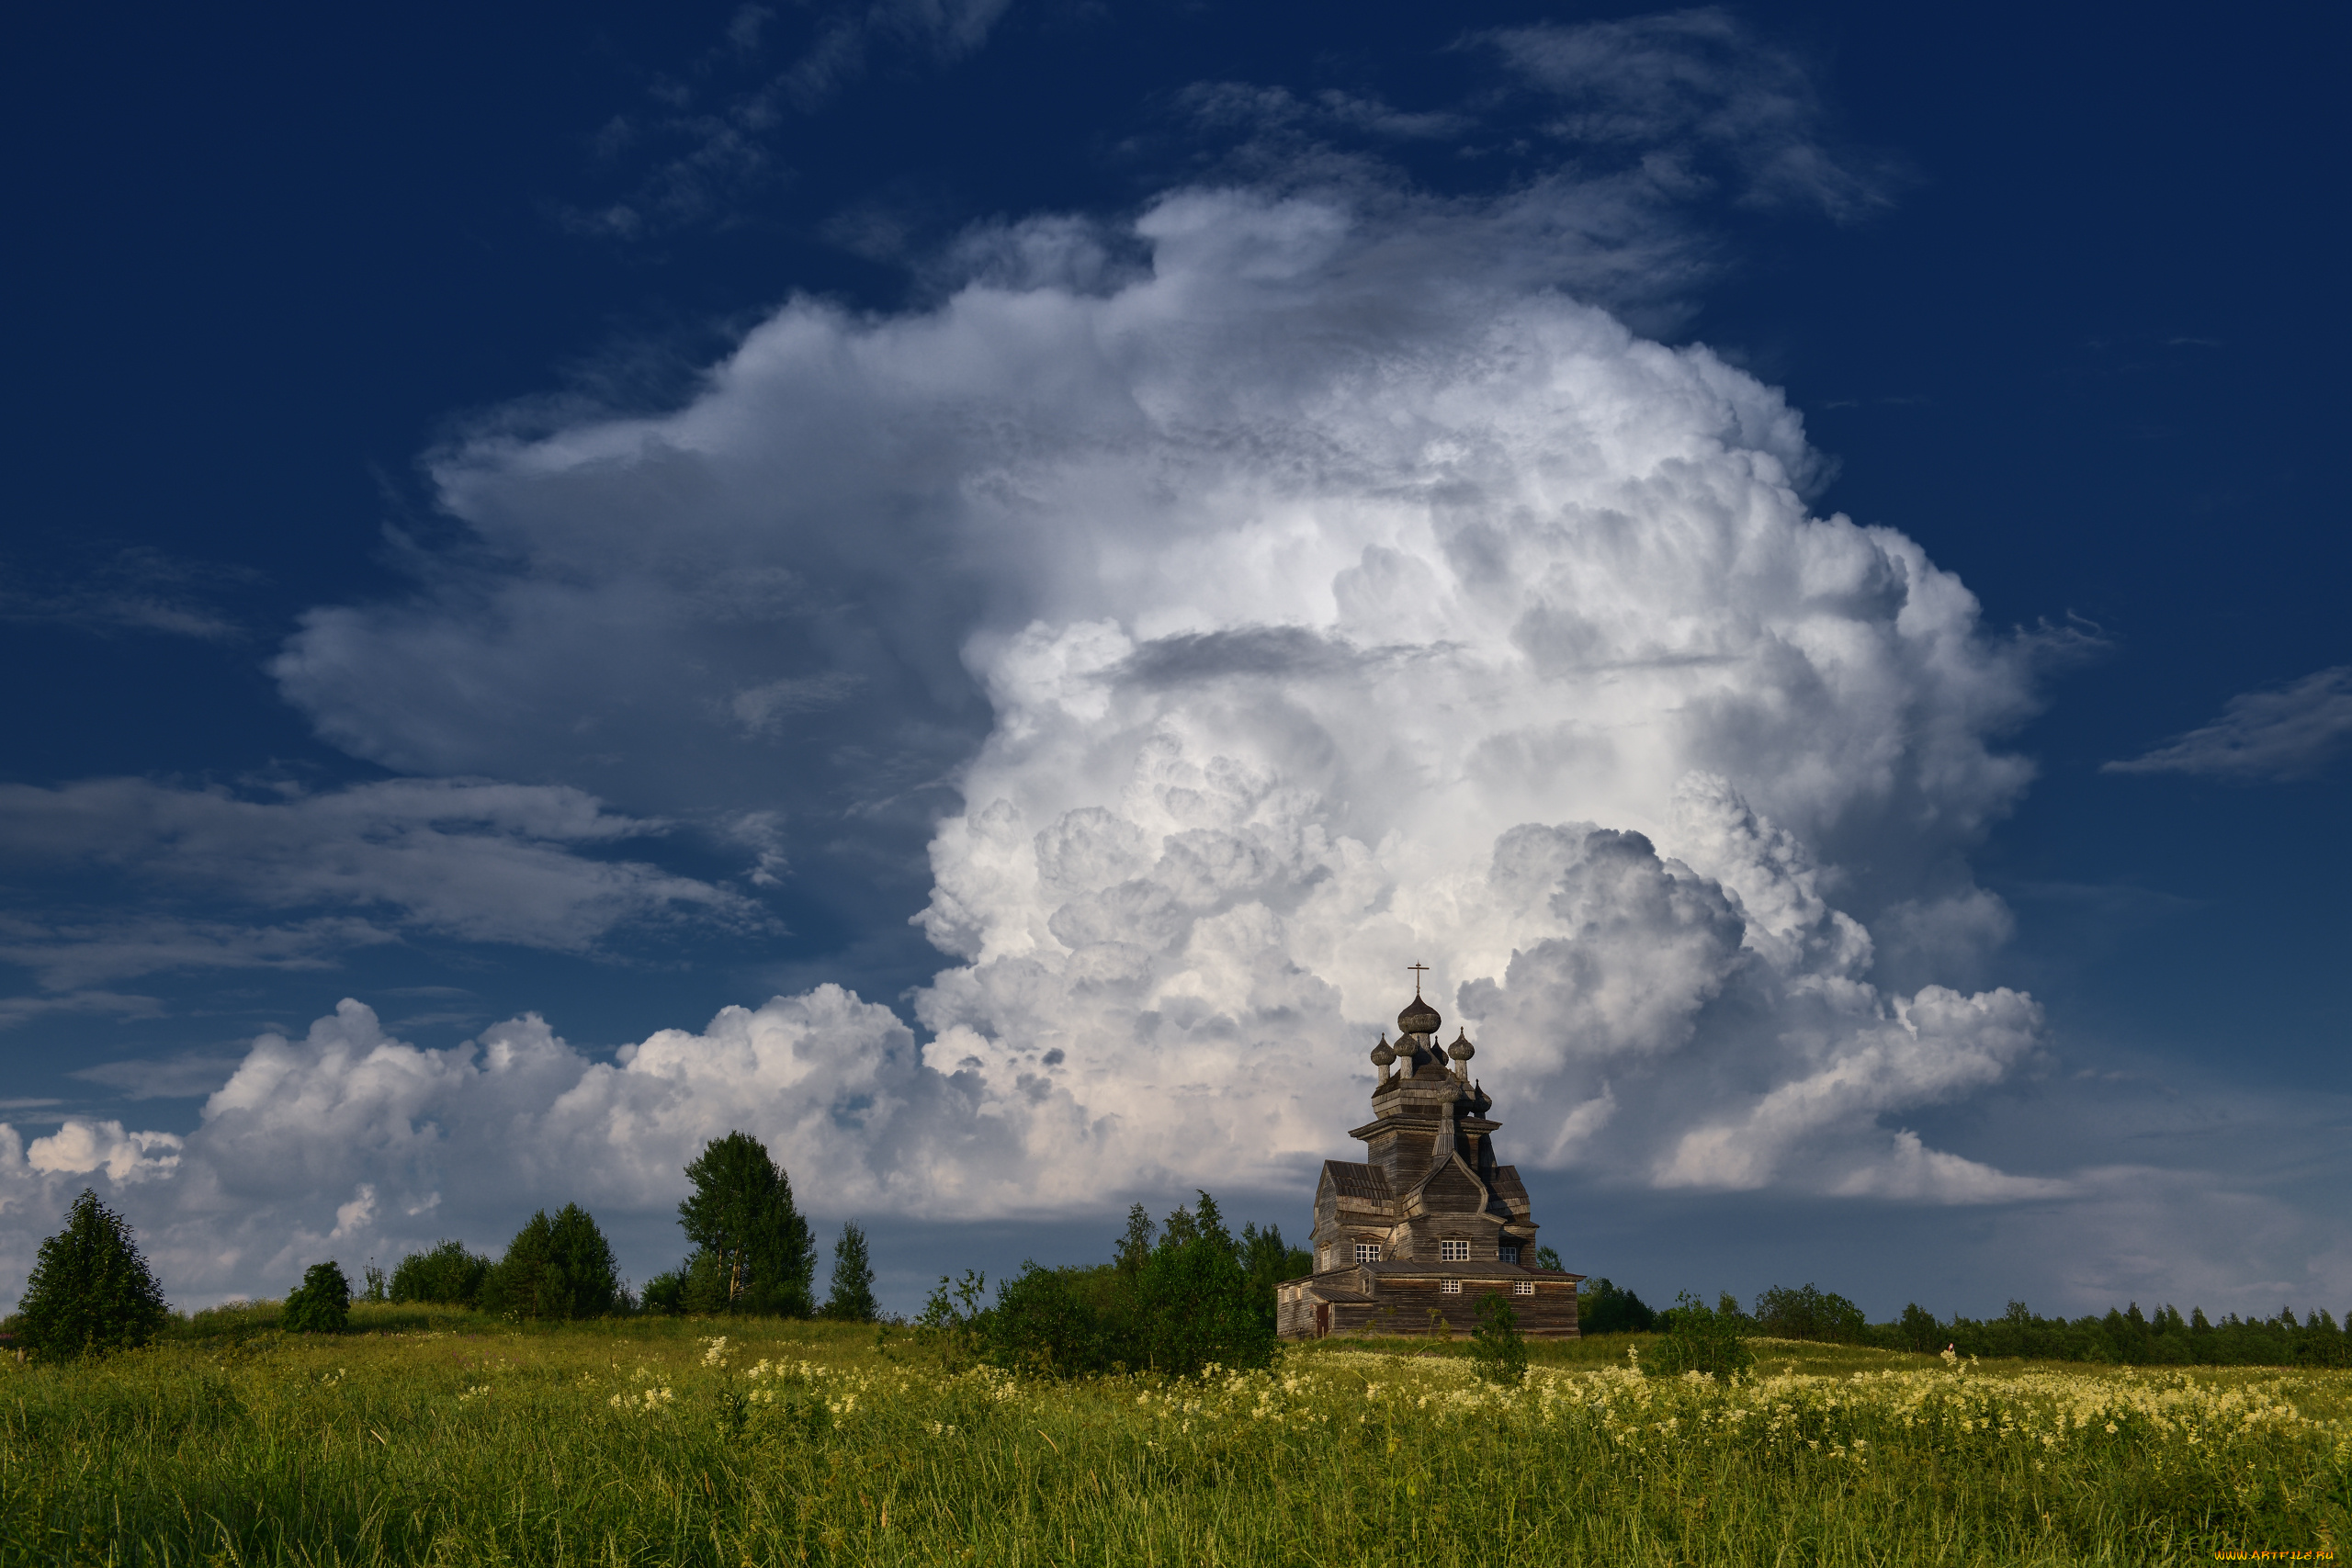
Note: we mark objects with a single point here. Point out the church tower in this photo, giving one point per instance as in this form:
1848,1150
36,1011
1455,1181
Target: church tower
1411,1239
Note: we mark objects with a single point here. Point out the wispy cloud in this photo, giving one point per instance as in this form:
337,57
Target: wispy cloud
14,1010
519,864
136,590
66,955
1698,101
705,145
189,1076
2278,734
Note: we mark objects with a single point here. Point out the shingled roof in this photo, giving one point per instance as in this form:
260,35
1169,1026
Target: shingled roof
1358,1180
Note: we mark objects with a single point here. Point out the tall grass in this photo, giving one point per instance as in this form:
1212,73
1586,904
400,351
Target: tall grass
439,1438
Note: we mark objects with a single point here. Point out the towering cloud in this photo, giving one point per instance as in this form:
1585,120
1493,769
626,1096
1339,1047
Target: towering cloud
1302,603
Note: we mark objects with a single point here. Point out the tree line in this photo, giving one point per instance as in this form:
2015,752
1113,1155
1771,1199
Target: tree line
751,1253
1174,1297
2124,1337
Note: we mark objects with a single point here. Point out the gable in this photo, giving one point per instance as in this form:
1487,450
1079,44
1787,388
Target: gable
1453,1190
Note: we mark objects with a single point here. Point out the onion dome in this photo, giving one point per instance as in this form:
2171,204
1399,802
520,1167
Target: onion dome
1462,1050
1418,1017
1381,1054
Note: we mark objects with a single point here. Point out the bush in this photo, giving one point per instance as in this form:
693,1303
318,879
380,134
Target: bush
448,1274
852,1300
1500,1353
665,1293
1063,1322
1702,1339
554,1267
321,1304
1809,1313
90,1291
1604,1308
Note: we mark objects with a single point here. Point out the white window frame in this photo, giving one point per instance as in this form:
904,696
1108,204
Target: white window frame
1367,1252
1523,1288
1453,1252
1449,1286
1507,1253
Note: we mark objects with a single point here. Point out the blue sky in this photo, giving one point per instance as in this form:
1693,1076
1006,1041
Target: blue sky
580,515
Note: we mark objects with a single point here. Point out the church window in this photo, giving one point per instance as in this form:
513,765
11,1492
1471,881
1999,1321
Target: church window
1449,1287
1506,1254
1367,1252
1453,1251
1523,1288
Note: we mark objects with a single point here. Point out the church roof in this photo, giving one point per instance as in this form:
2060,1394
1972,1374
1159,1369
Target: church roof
1357,1180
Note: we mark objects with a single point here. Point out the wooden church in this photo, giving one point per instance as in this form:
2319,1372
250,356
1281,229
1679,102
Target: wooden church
1411,1240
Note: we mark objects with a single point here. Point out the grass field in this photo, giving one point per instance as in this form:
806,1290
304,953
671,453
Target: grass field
424,1437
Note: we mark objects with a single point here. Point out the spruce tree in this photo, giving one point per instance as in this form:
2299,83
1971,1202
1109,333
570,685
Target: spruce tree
555,1268
852,1300
90,1289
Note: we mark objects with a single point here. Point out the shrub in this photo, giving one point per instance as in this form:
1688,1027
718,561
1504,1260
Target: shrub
447,1275
1063,1322
1713,1341
90,1291
953,1323
554,1267
1500,1353
741,1214
321,1304
852,1300
1605,1308
665,1293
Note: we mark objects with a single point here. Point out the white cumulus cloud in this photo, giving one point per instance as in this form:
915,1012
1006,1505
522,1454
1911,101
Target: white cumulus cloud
1288,611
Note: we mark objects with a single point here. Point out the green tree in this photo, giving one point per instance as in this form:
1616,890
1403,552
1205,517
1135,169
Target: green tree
321,1304
1810,1312
852,1300
1135,1245
90,1291
741,1214
554,1267
1194,1302
1701,1339
1267,1262
447,1274
1195,1297
1606,1308
1547,1259
1918,1330
1499,1351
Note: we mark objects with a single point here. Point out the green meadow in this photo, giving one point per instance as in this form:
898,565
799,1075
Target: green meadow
444,1437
